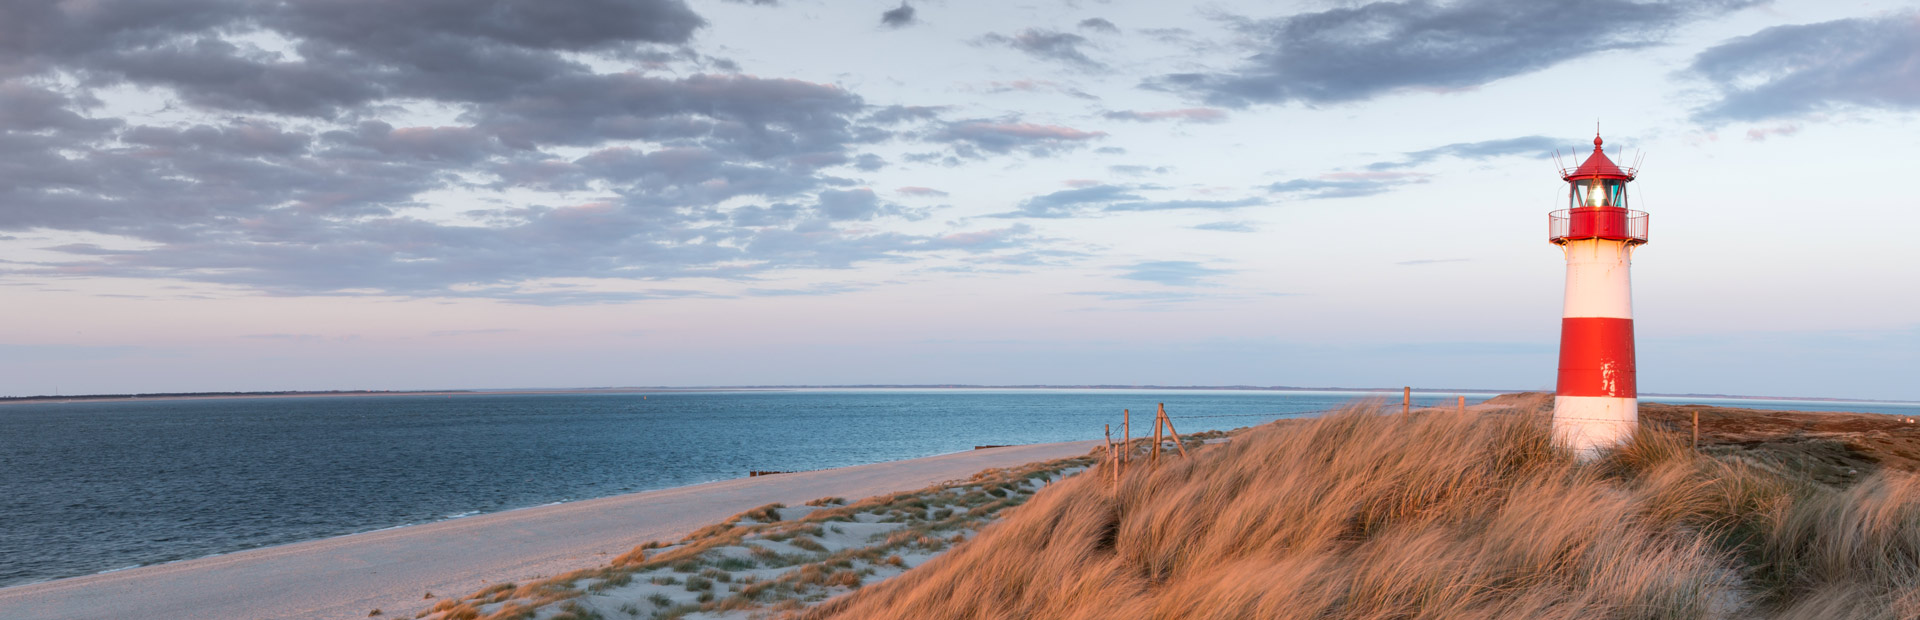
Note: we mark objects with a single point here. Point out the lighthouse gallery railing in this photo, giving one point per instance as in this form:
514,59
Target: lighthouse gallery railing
1605,223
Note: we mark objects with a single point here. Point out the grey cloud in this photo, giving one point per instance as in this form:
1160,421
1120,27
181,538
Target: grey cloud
1137,171
912,190
351,52
25,108
294,181
1365,51
857,204
1099,24
1172,272
1791,71
1111,198
899,17
1537,146
1345,185
1047,45
1008,135
1071,202
897,114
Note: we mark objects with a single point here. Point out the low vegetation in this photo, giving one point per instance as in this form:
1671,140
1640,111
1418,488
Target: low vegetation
770,561
1440,514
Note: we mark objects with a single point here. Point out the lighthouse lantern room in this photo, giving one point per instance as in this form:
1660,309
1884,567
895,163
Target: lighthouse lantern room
1596,401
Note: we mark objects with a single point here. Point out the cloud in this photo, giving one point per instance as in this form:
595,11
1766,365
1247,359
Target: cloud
1086,199
1798,70
1385,176
290,175
1365,51
1008,135
1537,146
1430,261
912,190
1098,24
1345,184
1038,86
1071,202
1172,272
898,114
1760,134
1133,170
1047,45
1190,115
898,17
347,53
1243,227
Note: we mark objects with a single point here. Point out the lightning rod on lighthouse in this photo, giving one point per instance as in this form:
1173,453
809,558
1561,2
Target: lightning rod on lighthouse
1596,402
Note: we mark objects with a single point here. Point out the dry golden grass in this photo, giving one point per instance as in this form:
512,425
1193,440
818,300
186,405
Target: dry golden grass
1435,515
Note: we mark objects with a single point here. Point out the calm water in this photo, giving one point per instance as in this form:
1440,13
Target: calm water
89,487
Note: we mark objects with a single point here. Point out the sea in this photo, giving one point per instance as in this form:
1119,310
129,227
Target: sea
90,487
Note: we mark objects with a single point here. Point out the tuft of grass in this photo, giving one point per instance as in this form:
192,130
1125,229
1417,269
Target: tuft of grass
733,564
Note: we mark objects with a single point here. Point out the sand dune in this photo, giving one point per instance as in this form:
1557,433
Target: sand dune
393,569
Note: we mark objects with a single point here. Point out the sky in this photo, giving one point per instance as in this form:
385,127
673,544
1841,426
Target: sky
216,195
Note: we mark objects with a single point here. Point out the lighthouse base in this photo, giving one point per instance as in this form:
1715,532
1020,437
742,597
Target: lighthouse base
1589,424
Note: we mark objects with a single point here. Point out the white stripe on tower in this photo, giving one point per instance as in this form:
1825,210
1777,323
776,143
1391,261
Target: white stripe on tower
1596,403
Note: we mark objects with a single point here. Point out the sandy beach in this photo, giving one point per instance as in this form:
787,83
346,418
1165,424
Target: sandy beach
394,569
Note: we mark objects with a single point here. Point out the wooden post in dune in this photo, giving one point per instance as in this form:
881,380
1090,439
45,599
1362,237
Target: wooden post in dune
1696,429
1154,457
1406,399
1176,434
1463,404
1113,473
1126,437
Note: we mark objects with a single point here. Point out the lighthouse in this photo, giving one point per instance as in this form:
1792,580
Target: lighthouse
1596,404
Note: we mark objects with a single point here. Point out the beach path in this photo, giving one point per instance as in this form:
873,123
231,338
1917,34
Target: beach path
392,570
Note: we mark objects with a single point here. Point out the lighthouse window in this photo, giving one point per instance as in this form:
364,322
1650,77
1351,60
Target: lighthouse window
1599,193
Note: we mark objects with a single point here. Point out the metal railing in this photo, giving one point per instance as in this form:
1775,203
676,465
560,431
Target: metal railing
1597,223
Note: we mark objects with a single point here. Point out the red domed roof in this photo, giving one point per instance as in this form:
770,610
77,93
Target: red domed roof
1598,166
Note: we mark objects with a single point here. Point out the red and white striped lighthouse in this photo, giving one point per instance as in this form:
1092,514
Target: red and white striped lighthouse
1596,404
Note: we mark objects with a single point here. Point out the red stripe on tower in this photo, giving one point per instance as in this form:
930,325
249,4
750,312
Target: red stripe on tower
1596,357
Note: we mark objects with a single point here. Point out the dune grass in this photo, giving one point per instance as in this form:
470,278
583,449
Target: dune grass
1361,514
769,561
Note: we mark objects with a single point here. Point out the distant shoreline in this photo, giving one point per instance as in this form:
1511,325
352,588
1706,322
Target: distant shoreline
4,400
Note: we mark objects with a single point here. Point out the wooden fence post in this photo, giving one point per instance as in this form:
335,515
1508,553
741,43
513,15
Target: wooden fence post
1157,418
1406,400
1176,434
1696,429
1113,462
1463,404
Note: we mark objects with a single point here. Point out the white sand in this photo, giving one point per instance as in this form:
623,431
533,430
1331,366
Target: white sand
391,570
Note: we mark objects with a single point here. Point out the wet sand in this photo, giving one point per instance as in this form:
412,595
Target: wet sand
392,570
